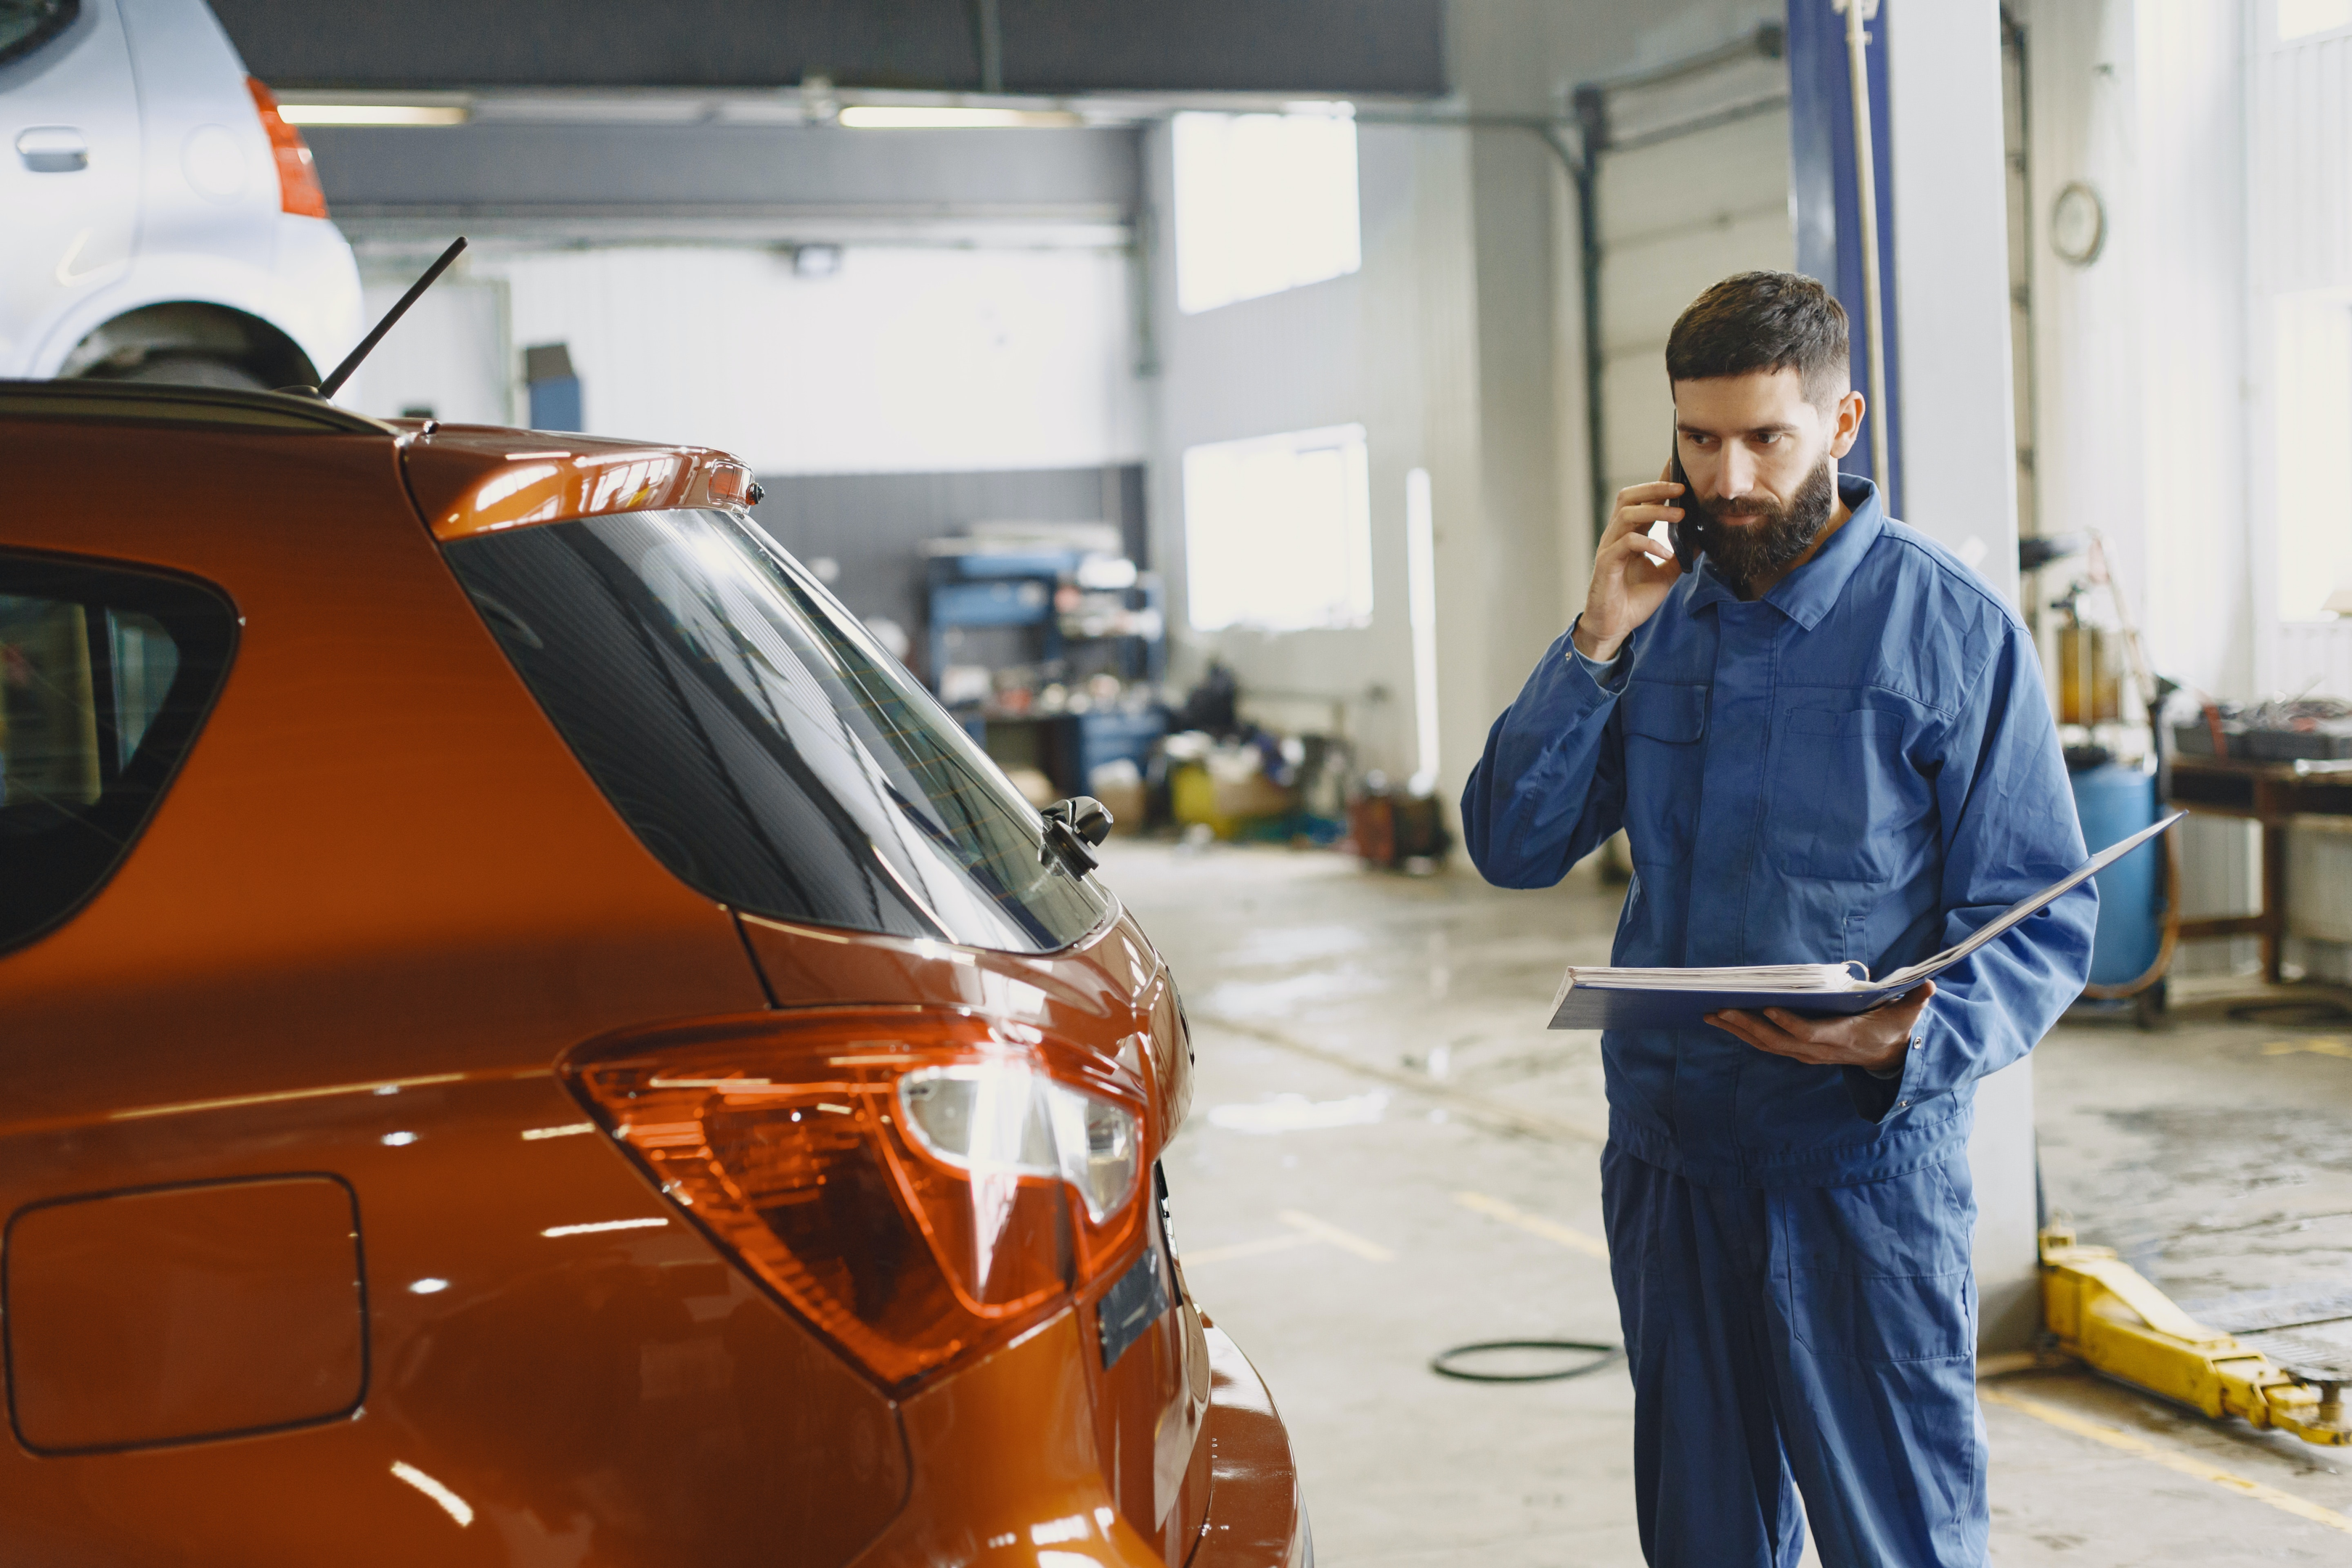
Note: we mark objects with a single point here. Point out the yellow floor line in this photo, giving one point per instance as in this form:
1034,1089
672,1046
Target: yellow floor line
1534,1224
2170,1458
1324,1230
2319,1045
1246,1248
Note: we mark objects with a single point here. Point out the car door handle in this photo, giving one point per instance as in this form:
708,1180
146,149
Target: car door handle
52,149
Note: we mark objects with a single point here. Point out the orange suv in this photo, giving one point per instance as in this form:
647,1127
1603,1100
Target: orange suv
525,1038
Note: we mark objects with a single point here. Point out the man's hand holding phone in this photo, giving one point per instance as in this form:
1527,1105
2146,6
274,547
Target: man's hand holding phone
1631,571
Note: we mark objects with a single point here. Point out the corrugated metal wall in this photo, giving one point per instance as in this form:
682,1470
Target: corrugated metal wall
2302,135
1676,215
2299,249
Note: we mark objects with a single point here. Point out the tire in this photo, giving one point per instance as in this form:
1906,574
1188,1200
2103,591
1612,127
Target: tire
194,369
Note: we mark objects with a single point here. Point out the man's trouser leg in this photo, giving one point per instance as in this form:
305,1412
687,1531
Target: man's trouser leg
1710,1487
1827,1332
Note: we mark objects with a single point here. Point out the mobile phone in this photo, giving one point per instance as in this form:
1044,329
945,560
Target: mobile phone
1688,538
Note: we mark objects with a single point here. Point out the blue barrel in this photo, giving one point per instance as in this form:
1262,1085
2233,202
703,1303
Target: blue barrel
2116,802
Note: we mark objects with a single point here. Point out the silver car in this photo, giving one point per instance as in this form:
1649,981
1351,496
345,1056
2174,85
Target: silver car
162,221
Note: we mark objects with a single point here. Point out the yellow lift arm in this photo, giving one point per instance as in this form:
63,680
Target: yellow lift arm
2103,1312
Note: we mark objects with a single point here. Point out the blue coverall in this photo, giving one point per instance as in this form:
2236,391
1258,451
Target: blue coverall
1859,765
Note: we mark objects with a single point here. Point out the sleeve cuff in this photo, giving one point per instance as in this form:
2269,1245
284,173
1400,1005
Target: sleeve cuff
1877,1095
1610,676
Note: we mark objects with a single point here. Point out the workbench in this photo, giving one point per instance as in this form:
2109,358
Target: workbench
2272,794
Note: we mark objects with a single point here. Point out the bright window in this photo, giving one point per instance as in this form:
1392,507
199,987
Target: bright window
2315,451
2301,18
1278,532
1263,203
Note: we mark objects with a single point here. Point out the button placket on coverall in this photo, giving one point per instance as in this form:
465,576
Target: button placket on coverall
1861,765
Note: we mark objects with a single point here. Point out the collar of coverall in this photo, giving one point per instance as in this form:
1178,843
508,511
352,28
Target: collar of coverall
1806,594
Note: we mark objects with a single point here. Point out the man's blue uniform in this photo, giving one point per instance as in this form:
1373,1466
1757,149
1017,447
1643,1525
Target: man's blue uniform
1859,765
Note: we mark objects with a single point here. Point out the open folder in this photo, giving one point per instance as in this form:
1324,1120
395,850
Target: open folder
1681,999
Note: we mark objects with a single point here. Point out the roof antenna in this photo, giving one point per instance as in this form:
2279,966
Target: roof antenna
334,383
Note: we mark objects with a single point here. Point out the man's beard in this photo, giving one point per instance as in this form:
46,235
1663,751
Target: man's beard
1747,553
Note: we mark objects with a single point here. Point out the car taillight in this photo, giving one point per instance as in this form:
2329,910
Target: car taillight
298,191
904,1177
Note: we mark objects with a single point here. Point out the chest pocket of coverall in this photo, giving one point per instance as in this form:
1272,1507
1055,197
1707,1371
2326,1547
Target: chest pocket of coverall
1664,767
1842,794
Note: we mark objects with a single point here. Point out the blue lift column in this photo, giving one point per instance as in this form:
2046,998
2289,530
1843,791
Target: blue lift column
1940,200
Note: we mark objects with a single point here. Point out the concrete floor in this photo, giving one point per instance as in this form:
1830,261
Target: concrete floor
1388,1155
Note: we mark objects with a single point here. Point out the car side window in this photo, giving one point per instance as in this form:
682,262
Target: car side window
105,677
27,24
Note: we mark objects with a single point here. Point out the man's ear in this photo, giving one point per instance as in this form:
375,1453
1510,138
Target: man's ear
1846,424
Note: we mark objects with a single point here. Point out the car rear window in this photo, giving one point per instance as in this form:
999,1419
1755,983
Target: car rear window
759,742
105,677
25,25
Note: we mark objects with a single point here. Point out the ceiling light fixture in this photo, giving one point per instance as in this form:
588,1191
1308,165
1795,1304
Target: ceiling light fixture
918,117
372,113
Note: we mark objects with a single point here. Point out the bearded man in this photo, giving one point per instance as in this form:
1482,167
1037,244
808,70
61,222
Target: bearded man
1826,741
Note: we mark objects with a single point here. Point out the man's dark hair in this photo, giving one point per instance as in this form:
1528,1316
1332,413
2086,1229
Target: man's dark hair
1764,322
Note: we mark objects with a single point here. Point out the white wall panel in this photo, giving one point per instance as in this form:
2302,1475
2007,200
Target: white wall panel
1691,181
2302,164
1391,347
450,353
2143,356
2299,265
1676,216
1641,414
906,361
1646,283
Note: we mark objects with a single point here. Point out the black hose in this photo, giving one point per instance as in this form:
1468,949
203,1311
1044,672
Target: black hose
1599,1356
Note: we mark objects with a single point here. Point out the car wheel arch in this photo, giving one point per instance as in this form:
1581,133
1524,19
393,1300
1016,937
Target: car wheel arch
139,343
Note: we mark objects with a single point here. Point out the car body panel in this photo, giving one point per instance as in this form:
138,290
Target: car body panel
366,700
308,289
379,907
1260,1517
470,480
174,1313
71,231
179,202
1012,1467
209,177
598,1395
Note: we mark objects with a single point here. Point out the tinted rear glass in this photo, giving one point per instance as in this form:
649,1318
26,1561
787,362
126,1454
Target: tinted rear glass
105,677
25,25
759,742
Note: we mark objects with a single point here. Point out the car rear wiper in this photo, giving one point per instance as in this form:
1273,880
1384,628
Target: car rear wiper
1073,828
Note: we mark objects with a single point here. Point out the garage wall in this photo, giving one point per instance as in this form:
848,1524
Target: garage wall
2140,355
450,356
907,361
1458,346
1386,347
1676,216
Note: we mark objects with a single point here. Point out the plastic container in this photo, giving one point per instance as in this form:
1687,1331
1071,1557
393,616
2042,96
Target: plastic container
2114,803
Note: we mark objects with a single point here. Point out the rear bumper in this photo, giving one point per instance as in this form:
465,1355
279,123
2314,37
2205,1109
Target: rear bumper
1257,1516
1005,1464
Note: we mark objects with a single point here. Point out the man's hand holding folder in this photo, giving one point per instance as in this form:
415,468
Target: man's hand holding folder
1874,1040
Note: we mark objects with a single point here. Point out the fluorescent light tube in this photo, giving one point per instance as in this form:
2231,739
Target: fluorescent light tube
914,116
372,113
